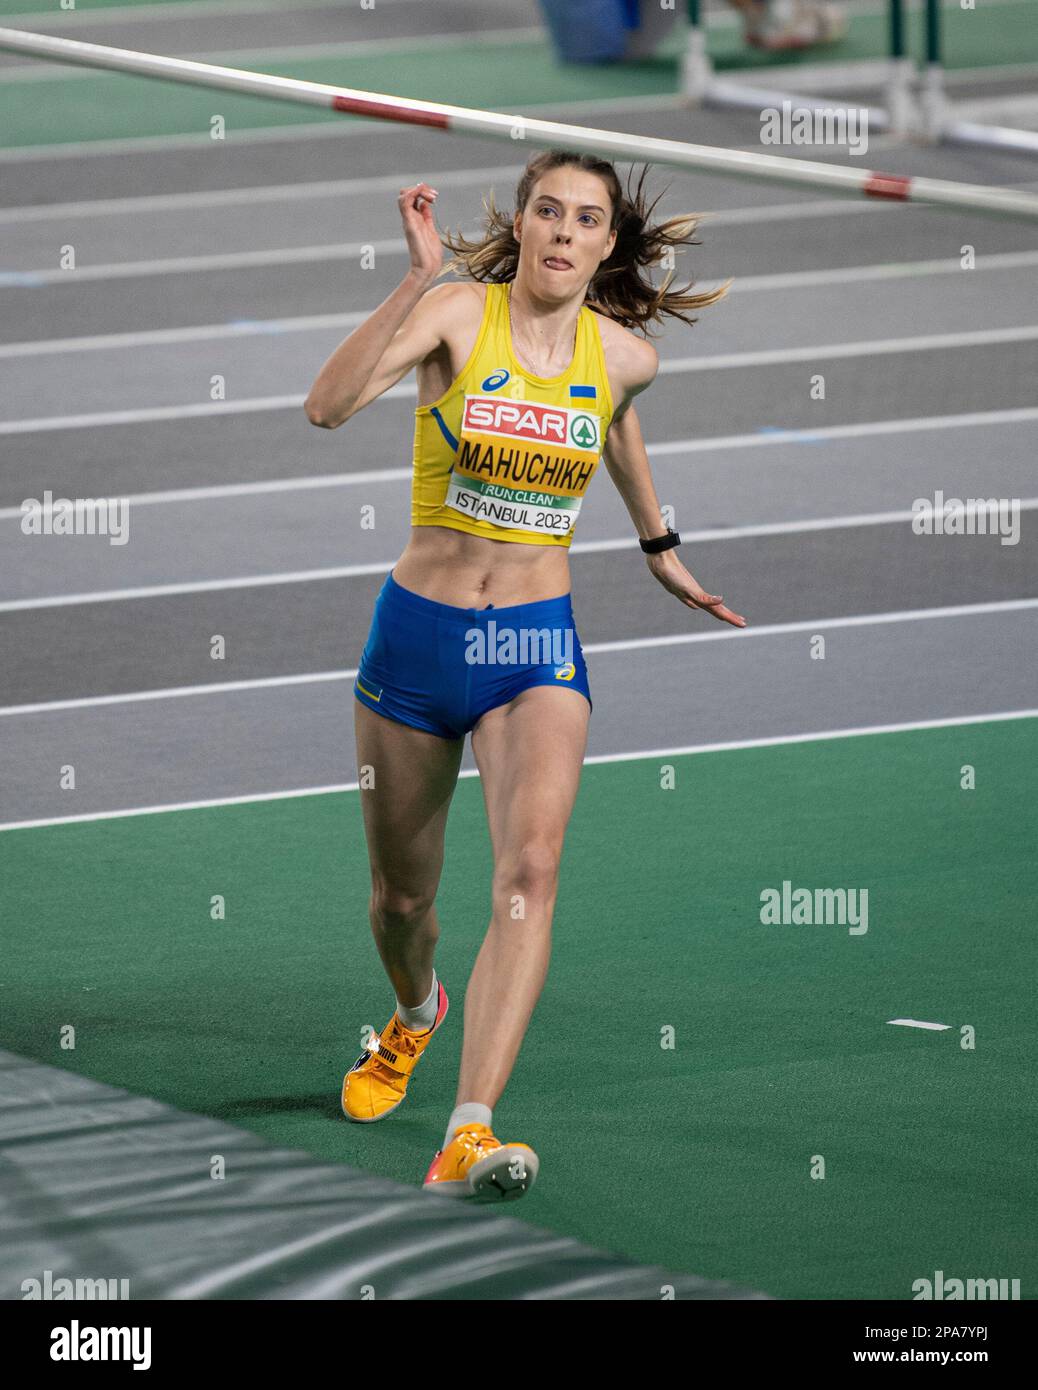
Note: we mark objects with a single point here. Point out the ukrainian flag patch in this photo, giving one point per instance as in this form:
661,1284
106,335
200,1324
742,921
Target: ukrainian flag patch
374,695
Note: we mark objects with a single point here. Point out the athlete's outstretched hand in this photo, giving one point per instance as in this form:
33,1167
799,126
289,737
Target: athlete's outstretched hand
673,575
423,240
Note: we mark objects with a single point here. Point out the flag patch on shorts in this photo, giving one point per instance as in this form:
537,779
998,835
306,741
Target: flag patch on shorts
373,694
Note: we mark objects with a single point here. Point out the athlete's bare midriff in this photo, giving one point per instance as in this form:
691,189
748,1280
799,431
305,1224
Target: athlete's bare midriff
467,571
455,567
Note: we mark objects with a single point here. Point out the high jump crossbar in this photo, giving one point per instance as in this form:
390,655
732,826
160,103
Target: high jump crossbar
497,125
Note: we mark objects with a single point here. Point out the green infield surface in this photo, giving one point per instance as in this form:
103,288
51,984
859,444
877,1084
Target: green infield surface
704,1090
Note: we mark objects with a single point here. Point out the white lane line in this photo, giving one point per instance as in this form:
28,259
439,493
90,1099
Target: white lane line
202,140
178,9
173,412
997,72
725,632
338,130
861,429
339,189
1001,110
273,257
280,485
256,581
915,1023
872,347
196,587
349,251
192,333
868,347
204,9
296,53
728,747
810,209
662,449
893,270
734,745
134,14
209,199
179,692
196,265
590,648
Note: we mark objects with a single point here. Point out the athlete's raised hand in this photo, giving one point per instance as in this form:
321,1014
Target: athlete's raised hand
673,575
423,240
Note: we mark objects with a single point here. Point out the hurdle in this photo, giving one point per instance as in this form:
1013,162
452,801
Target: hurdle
939,120
518,128
702,87
917,104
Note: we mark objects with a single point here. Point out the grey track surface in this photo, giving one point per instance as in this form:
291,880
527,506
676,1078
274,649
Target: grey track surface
291,25
247,743
157,643
277,738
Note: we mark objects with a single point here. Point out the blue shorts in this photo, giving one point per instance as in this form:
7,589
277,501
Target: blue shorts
440,668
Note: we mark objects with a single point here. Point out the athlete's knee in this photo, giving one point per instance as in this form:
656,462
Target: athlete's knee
532,870
397,906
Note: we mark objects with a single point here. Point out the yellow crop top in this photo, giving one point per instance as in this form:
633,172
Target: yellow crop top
506,454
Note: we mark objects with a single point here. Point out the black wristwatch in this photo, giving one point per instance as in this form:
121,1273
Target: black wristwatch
658,543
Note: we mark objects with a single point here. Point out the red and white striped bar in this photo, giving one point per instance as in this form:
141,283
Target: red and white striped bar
518,129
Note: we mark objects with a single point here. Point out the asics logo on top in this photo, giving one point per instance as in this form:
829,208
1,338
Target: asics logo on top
495,379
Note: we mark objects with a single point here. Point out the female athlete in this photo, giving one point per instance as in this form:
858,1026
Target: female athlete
524,367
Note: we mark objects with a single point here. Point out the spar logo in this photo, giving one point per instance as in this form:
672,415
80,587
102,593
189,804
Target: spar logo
538,424
584,431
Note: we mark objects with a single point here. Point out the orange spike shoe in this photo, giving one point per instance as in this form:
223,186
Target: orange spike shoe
477,1165
377,1082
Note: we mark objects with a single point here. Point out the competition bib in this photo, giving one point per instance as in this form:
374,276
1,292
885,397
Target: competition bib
523,465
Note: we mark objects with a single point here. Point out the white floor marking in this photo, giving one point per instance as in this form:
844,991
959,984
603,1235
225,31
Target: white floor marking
338,189
212,198
866,347
630,644
43,71
178,692
272,257
338,130
138,14
601,758
915,1023
699,444
331,572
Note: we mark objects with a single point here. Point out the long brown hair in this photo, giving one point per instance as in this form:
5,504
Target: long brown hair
617,289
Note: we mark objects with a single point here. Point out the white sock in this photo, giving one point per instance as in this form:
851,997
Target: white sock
470,1113
422,1016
